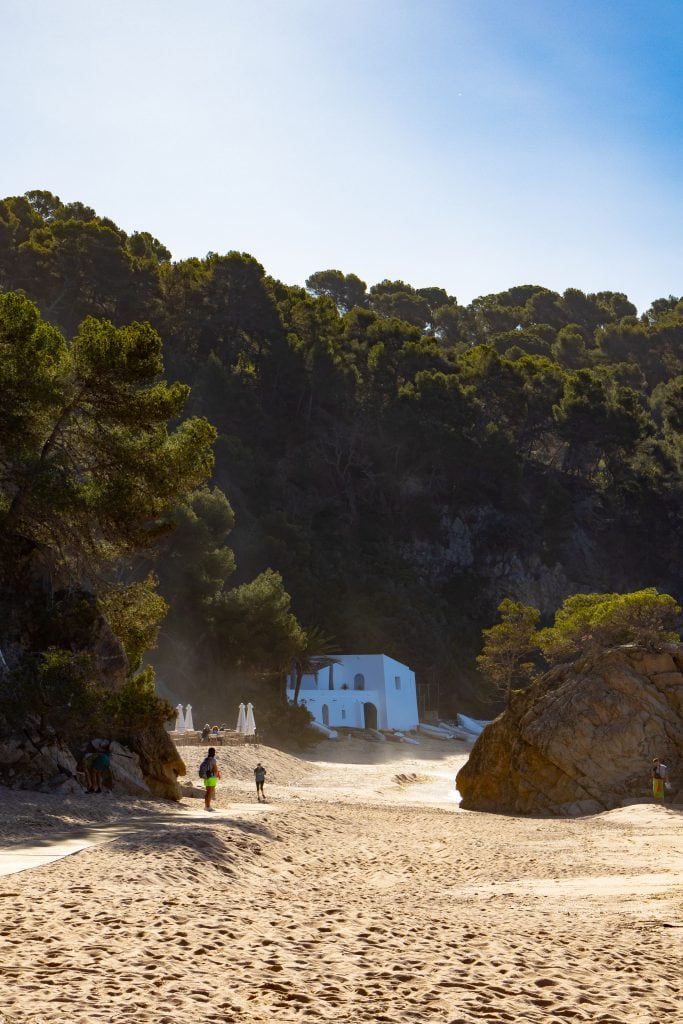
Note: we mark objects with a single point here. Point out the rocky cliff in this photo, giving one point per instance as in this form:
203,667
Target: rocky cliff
582,738
37,758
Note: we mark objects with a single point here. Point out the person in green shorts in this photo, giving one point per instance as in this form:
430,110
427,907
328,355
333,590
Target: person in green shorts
211,777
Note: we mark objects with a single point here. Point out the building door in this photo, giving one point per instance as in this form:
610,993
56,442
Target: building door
369,716
326,715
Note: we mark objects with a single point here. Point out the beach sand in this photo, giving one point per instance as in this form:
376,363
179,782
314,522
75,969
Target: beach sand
359,892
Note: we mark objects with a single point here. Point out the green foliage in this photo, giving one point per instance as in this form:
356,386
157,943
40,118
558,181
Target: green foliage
135,611
88,468
89,474
589,621
508,647
255,628
287,725
398,300
135,707
196,560
58,687
346,290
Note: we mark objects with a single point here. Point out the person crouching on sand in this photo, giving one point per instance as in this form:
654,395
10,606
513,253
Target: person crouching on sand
211,777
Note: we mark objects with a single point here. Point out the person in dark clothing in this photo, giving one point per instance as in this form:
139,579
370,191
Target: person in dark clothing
260,777
211,775
95,764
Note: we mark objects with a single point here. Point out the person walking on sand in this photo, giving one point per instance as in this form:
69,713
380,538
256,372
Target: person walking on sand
260,777
210,773
659,777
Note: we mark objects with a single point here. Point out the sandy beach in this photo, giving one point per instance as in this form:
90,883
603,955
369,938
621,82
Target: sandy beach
359,892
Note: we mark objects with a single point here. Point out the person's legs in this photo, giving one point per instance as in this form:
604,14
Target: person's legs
209,790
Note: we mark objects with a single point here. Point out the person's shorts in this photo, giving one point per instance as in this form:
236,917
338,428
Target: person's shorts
210,783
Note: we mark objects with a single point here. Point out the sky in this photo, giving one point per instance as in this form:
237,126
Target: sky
468,144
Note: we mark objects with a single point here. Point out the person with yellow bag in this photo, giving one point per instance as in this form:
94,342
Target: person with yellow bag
659,779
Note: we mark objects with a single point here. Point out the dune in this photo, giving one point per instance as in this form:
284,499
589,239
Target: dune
360,892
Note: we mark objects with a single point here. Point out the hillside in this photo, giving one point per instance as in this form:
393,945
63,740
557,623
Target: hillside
402,461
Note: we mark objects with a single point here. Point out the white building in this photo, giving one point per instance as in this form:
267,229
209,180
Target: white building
361,691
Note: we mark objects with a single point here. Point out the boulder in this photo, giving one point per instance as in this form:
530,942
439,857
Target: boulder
126,773
160,762
582,738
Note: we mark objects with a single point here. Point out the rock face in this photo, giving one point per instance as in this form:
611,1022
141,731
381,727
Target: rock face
37,759
124,769
160,762
582,739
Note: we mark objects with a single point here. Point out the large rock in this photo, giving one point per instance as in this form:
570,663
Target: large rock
125,773
160,762
582,738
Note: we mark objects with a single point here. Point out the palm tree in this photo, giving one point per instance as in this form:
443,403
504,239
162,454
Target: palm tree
317,651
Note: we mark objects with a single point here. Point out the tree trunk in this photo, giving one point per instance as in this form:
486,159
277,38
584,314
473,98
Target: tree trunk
297,684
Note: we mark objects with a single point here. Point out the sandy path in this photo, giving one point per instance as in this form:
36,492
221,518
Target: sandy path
352,898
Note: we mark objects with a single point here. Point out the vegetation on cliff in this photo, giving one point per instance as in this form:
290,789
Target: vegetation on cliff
395,463
514,651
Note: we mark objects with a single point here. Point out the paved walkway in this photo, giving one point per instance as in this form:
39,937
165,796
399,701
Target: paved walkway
35,853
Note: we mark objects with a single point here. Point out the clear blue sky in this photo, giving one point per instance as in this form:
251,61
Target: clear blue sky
471,144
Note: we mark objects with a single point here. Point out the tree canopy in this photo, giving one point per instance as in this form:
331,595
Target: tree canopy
89,470
583,624
397,459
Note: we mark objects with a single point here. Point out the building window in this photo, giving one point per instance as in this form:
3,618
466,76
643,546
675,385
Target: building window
397,682
343,713
359,681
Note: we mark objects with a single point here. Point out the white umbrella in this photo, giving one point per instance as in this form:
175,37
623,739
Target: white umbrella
189,727
179,719
241,720
250,727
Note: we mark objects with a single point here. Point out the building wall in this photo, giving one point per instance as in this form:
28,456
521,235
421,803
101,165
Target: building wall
401,700
335,689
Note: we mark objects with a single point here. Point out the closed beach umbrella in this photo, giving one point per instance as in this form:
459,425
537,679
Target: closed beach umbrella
179,718
188,719
250,727
241,720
